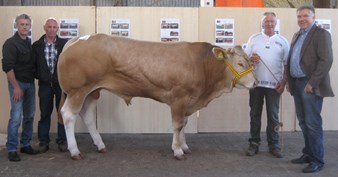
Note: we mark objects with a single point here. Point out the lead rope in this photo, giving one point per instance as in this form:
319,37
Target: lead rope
280,124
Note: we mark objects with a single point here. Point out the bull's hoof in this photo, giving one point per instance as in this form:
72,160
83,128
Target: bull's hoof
187,151
104,150
180,157
78,157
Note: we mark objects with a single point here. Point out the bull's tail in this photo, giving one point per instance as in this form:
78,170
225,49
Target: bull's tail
62,102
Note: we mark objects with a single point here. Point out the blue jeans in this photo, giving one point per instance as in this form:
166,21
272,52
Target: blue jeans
308,109
47,93
272,108
24,108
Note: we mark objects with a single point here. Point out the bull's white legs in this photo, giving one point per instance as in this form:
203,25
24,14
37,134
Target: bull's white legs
88,113
179,145
74,106
184,145
69,119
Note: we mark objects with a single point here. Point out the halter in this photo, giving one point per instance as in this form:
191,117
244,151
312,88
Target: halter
237,75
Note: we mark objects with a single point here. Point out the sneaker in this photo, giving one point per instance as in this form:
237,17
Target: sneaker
43,148
276,152
13,156
29,150
252,150
62,147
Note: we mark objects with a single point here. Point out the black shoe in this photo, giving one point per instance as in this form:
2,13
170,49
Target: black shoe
62,147
43,148
29,150
13,156
276,152
301,160
313,167
252,150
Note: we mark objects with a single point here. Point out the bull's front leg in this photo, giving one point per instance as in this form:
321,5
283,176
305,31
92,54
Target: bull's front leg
179,145
184,145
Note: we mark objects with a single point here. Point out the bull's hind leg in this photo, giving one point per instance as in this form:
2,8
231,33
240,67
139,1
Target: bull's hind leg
88,114
69,119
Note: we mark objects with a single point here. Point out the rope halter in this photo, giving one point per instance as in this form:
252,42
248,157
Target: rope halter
237,74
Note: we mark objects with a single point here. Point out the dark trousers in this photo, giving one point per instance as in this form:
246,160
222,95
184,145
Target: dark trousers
256,102
47,94
308,109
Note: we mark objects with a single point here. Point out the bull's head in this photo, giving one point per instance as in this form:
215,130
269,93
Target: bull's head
239,72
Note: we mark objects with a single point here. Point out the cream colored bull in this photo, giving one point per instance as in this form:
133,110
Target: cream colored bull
185,76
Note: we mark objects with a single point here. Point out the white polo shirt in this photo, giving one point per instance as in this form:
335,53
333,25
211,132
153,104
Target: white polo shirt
273,51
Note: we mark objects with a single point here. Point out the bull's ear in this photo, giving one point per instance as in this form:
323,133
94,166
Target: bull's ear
237,49
218,53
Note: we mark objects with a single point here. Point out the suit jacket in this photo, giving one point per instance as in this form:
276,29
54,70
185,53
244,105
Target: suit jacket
315,60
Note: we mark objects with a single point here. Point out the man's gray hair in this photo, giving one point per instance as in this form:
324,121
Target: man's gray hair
269,13
22,16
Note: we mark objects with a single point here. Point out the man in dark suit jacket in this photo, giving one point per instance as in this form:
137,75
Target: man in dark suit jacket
308,67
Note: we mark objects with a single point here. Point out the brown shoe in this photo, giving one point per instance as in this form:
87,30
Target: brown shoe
43,147
276,152
62,147
252,150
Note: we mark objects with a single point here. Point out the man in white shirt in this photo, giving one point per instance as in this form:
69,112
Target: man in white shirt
270,51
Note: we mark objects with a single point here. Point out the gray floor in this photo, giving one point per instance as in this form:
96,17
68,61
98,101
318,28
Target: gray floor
145,155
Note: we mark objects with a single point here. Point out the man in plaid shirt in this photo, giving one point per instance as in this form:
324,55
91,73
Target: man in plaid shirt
46,52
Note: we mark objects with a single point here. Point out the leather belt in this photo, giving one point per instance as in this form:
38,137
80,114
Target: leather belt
299,78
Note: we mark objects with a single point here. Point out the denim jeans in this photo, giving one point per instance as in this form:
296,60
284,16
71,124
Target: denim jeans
47,94
24,108
308,109
256,102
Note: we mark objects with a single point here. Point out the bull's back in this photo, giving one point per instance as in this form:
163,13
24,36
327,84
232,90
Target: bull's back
136,65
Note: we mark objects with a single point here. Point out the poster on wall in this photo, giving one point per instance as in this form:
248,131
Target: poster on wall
170,30
69,28
30,31
324,23
224,32
120,27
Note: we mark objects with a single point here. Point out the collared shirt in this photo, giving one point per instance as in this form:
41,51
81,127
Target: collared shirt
50,55
295,69
273,51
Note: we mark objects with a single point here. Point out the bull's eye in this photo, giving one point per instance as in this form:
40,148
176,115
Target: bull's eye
241,65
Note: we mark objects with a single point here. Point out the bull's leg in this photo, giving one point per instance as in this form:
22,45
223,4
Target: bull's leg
69,119
178,121
184,145
88,114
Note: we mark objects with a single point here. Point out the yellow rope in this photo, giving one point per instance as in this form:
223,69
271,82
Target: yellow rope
237,75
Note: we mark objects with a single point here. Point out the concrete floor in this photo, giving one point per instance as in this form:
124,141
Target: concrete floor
147,155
